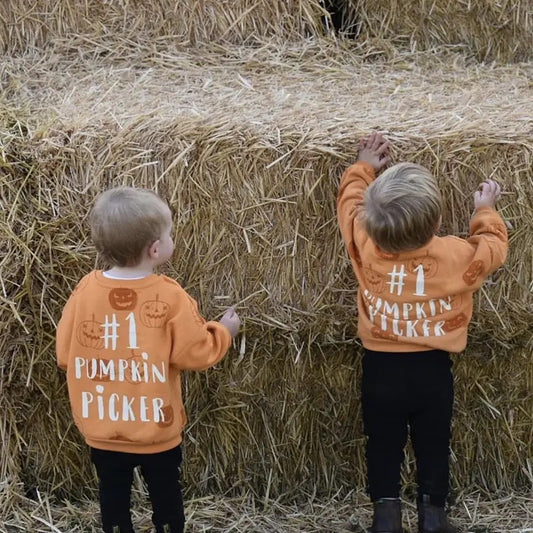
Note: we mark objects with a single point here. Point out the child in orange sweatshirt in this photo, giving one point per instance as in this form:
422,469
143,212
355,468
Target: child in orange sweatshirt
124,338
415,300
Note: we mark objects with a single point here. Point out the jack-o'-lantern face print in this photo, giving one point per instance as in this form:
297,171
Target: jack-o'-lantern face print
474,271
154,313
374,280
123,299
90,333
168,416
135,373
456,322
429,265
378,333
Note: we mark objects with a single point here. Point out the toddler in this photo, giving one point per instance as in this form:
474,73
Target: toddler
124,338
415,300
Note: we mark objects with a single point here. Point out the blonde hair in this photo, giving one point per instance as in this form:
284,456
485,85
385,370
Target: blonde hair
124,221
402,208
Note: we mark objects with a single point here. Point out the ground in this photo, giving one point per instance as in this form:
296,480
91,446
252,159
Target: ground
474,513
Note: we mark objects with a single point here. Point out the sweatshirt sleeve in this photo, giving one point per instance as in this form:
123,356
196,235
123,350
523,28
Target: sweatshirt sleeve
207,342
64,333
354,183
488,235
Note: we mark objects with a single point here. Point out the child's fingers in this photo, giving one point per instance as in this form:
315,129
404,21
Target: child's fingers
492,188
383,148
371,143
495,188
379,140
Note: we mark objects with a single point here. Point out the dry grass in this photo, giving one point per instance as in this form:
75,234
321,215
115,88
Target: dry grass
473,513
487,29
24,25
248,144
491,30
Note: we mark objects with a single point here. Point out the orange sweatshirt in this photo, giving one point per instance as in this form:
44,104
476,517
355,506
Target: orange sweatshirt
123,344
420,299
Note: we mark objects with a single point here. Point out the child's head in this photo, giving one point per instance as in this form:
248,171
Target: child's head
126,221
402,208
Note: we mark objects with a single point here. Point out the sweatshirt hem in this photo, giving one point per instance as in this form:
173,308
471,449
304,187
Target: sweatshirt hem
133,447
400,347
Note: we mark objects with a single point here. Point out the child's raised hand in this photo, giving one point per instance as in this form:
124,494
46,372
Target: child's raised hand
374,150
231,320
488,195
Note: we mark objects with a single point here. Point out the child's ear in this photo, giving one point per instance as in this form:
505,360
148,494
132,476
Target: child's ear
153,250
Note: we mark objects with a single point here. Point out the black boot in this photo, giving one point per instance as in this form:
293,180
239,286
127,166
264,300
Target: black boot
433,519
387,516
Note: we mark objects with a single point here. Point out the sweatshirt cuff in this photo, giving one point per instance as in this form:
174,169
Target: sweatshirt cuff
485,208
368,168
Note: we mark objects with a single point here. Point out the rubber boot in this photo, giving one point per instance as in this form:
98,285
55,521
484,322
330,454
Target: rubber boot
433,519
387,516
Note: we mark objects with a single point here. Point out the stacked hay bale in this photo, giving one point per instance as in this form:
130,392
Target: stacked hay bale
490,30
247,144
26,24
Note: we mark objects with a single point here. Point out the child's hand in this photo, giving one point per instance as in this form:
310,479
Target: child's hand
374,150
488,195
231,320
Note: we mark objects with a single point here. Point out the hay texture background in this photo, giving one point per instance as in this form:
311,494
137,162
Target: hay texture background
247,144
490,30
27,24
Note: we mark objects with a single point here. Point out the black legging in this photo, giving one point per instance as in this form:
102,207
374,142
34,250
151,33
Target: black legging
161,471
401,390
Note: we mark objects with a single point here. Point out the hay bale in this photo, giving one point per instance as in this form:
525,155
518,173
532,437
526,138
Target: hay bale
25,24
248,145
488,29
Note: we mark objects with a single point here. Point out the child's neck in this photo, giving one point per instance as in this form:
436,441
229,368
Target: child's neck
143,269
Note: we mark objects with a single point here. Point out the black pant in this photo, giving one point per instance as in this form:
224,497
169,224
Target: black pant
407,390
161,471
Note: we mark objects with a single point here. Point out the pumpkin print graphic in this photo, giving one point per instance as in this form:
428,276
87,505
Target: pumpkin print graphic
456,322
89,334
99,376
473,272
374,280
429,265
378,333
123,299
138,361
154,313
168,414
